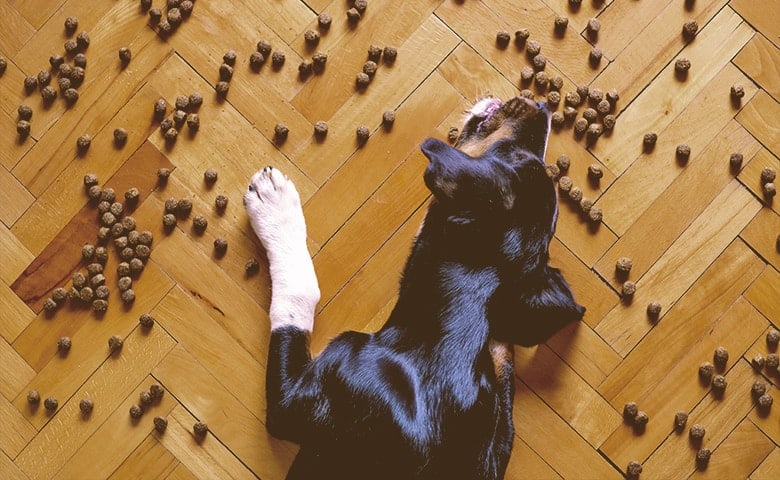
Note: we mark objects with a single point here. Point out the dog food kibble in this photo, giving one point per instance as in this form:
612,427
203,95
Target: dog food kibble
554,98
120,137
540,62
179,116
124,283
720,357
132,195
166,125
278,58
533,48
641,419
51,404
361,5
689,29
541,79
581,125
737,91
86,405
569,113
594,25
174,17
87,252
102,292
63,344
157,391
230,58
256,60
759,388
683,152
184,206
557,119
121,242
389,54
525,93
199,222
222,88
264,47
362,80
526,74
594,131
575,194
25,112
186,8
706,371
634,469
768,174
23,128
171,205
556,83
765,401
603,107
125,55
126,254
629,289
115,343
281,132
33,397
735,161
561,23
49,305
452,134
703,458
210,176
312,37
82,39
30,83
772,338
630,410
48,94
362,134
682,65
97,280
136,411
136,266
221,202
502,38
648,141
680,419
146,320
116,208
319,60
369,68
609,122
595,56
79,280
595,172
200,429
123,269
697,432
160,424
169,220
44,78
145,398
59,295
772,362
757,362
573,99
225,72
324,20
320,129
585,205
252,266
220,245
565,184
155,14
719,383
769,188
142,252
654,309
521,36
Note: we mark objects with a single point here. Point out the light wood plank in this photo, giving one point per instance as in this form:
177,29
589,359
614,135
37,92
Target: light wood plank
15,374
757,117
150,460
764,294
750,176
16,314
760,60
765,17
769,468
16,431
742,451
761,234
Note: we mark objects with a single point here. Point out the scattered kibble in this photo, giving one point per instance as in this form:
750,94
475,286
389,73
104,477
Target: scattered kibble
59,295
220,245
560,24
502,38
533,48
157,391
33,397
706,371
680,419
682,65
629,288
312,37
581,125
552,171
697,432
362,80
737,91
71,24
689,29
115,342
630,410
772,338
23,128
521,36
595,56
184,206
759,388
210,176
539,62
758,362
124,283
125,55
720,357
565,184
735,161
221,202
769,188
82,39
389,54
585,205
278,58
369,68
25,112
49,305
765,402
252,266
324,20
575,194
230,58
136,411
362,133
634,469
703,458
640,420
768,175
683,152
86,405
145,398
169,221
654,309
772,362
146,320
30,83
573,99
526,74
719,384
225,72
321,129
160,424
648,141
120,137
623,265
50,404
281,132
557,119
200,429
200,222
222,88
595,172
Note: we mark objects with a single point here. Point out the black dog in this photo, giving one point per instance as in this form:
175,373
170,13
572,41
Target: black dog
429,396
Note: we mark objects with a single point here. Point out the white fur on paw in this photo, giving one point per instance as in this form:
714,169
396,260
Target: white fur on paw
274,210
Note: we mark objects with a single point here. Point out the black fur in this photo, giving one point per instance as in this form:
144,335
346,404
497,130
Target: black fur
423,398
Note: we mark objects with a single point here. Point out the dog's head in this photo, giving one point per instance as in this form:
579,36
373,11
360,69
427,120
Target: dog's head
499,207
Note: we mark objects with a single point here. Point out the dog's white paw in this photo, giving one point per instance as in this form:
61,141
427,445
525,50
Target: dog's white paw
274,209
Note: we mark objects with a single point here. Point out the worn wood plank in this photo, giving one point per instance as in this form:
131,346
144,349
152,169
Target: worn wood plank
757,117
150,460
769,468
742,451
761,234
760,60
750,176
764,294
15,374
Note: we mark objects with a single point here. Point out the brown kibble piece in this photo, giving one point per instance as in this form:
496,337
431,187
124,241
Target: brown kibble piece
682,65
369,68
146,320
44,78
195,100
222,88
758,362
362,133
521,36
184,206
735,161
225,72
49,305
220,245
532,48
772,362
641,419
125,283
654,309
115,342
737,91
48,93
71,24
221,202
136,411
623,265
210,176
200,429
120,137
680,419
595,172
772,338
770,190
199,223
759,388
312,37
59,295
63,344
30,83
720,357
719,384
82,39
86,405
595,56
23,128
581,125
634,469
230,58
320,129
51,404
649,140
281,132
25,112
697,432
629,288
125,55
575,194
560,23
157,391
768,174
526,74
683,152
33,397
502,38
160,424
128,296
630,410
689,29
389,54
565,184
765,402
706,371
324,20
136,266
353,16
362,80
169,221
145,398
252,266
703,458
557,119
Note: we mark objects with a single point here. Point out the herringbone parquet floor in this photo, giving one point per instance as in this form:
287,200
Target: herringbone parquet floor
702,237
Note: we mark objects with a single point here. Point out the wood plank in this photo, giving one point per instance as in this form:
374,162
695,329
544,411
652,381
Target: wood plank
525,463
16,257
133,447
705,304
742,451
761,234
662,101
532,415
676,456
230,424
632,194
9,469
578,404
16,314
150,460
757,117
685,260
14,198
769,468
181,473
66,431
16,431
760,60
764,294
14,21
15,374
37,11
13,148
765,17
667,213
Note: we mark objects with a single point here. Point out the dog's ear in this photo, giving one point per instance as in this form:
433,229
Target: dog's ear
529,311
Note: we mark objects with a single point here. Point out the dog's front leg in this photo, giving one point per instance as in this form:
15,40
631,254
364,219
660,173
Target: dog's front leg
274,210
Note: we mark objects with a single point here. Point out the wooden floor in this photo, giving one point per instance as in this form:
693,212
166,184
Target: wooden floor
703,239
